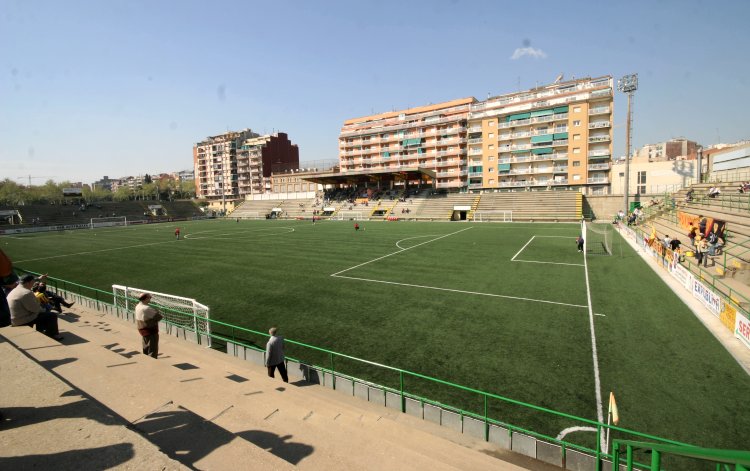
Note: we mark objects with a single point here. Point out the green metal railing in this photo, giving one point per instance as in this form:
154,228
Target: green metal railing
724,459
330,362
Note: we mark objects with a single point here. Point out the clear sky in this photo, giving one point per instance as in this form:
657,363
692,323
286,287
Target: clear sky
117,88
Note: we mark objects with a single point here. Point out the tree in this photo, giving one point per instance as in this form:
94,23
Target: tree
11,193
122,194
147,179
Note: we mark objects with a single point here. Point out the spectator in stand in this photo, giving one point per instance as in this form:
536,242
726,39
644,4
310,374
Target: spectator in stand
701,253
275,355
667,240
692,233
42,298
147,321
26,310
689,195
702,223
54,299
674,244
714,191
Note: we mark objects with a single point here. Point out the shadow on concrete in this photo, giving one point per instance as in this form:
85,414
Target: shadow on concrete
52,364
105,457
279,446
22,416
183,435
72,339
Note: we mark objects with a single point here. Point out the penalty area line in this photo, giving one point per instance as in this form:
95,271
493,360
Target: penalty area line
451,290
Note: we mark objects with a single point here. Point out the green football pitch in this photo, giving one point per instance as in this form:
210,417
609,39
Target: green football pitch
511,309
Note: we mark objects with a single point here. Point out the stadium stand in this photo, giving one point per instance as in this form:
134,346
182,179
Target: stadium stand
255,208
733,264
535,206
440,207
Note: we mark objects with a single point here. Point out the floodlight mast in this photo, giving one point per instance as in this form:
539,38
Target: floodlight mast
628,84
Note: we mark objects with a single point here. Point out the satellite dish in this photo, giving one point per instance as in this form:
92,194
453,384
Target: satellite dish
559,78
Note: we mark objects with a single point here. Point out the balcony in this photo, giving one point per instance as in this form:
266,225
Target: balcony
517,135
475,152
599,110
559,156
560,142
475,174
604,166
601,93
477,140
600,125
598,180
475,185
560,169
451,184
594,139
475,129
599,153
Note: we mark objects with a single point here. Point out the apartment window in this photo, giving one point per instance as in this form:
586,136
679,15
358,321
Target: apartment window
576,163
491,135
577,109
492,181
641,185
491,158
492,123
576,150
492,146
491,169
577,122
576,137
576,177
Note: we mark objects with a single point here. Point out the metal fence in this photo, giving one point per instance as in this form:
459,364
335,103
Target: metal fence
474,412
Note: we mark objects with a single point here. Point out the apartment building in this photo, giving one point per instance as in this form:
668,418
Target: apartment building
428,141
236,163
557,136
673,149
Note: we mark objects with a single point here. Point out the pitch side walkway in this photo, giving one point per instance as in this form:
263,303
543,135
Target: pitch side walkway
93,401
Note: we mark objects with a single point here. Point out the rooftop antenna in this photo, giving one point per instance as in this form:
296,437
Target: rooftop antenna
559,78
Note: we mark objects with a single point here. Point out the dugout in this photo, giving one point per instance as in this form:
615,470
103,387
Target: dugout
460,213
404,177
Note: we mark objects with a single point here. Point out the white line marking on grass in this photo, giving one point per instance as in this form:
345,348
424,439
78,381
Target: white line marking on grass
399,251
550,263
461,291
597,381
237,235
415,237
517,253
597,314
95,251
568,430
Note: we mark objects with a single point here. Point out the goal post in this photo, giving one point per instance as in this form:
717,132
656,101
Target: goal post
349,216
246,215
493,216
597,238
108,222
186,313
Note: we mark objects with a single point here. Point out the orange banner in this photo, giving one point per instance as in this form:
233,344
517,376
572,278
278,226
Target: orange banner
728,316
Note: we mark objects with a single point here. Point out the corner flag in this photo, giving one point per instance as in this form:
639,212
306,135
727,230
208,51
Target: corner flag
613,408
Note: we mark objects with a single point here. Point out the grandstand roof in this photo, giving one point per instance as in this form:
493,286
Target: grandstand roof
363,176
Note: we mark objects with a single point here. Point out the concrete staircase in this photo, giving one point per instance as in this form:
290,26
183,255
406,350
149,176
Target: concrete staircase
205,410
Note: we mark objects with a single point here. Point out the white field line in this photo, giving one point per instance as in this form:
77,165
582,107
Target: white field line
460,291
517,253
240,235
171,241
568,430
95,251
549,263
409,238
597,381
399,251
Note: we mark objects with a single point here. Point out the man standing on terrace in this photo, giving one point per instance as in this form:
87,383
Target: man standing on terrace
147,320
275,354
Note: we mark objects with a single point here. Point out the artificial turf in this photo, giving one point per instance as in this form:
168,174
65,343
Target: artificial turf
497,307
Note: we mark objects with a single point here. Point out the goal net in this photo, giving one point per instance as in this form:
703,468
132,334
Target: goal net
493,216
349,216
177,310
597,238
108,222
246,215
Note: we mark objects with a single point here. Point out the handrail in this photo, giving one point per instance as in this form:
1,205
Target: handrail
600,427
740,459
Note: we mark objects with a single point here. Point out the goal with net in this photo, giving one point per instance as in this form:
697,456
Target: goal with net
349,216
182,312
246,215
493,216
597,238
108,222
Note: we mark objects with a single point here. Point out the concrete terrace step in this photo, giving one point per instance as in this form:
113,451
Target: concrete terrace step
211,411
